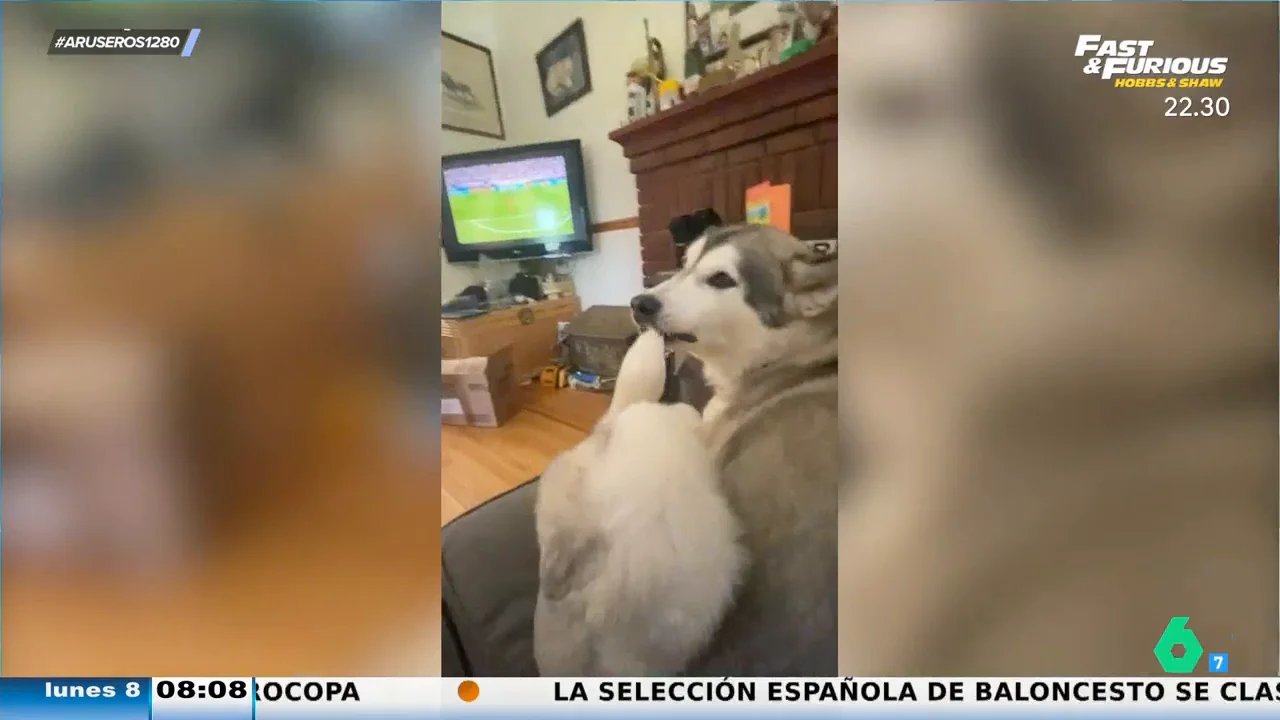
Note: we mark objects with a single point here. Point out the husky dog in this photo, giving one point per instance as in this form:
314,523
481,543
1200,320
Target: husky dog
758,308
1064,375
639,550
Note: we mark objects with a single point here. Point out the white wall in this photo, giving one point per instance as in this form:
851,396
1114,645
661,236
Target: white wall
515,32
474,22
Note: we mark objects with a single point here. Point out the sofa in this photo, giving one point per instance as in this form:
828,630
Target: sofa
489,584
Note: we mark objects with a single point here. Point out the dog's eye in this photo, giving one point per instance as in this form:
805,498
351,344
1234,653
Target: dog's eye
721,280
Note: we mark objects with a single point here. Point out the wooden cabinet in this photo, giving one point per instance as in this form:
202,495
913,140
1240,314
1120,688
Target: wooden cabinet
530,330
778,124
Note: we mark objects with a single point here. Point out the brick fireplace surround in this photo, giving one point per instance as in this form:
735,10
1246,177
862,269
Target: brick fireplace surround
778,124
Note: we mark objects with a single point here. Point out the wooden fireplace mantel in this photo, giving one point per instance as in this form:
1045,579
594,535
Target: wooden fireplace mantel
778,124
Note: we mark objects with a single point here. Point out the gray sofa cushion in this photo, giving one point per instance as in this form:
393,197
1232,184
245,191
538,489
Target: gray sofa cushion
489,577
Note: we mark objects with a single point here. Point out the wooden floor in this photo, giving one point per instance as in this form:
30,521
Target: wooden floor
480,463
343,579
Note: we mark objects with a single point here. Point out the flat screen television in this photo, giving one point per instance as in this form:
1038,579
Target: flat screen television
515,203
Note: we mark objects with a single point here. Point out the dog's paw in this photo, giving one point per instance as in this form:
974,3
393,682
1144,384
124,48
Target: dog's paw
643,374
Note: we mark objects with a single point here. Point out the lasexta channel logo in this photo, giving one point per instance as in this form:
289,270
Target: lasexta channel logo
1177,635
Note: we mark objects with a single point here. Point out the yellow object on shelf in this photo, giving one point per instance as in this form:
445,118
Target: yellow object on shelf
668,94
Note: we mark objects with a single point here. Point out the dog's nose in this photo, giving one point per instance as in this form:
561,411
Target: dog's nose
645,307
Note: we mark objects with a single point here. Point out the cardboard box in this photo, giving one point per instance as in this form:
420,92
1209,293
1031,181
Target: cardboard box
478,391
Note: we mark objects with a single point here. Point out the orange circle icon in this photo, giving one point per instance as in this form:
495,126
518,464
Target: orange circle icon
468,691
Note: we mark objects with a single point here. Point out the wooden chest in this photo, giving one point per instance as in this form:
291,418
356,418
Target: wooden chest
530,330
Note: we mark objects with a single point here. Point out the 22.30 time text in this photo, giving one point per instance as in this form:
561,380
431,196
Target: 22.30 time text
1196,107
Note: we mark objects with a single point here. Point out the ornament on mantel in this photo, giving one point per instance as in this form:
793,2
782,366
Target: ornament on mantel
791,20
644,78
778,38
733,55
695,63
820,19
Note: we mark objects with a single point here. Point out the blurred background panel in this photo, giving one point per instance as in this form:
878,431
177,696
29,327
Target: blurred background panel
1060,367
219,282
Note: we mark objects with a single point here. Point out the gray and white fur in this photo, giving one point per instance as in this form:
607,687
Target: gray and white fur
639,549
758,307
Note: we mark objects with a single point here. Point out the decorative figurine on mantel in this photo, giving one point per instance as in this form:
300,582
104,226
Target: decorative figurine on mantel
637,96
695,62
643,78
668,94
655,59
821,19
809,22
792,20
778,36
733,55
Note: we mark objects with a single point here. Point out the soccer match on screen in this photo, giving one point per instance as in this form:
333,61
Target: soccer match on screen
510,201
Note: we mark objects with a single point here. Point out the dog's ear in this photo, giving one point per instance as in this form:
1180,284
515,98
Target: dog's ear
814,283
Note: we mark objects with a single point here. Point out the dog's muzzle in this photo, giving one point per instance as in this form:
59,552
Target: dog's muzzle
645,311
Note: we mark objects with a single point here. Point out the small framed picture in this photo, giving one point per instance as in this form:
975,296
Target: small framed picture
564,70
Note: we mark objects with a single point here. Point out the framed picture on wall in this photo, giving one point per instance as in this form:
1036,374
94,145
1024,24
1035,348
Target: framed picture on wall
563,69
469,88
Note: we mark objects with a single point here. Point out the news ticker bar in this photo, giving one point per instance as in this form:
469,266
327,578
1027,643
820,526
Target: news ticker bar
125,41
492,698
